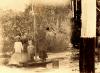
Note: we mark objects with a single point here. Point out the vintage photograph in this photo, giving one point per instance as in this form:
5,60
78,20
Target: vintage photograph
49,36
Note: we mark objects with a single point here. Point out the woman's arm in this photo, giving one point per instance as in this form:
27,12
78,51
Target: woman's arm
21,47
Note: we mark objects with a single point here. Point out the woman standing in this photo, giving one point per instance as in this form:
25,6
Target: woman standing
16,57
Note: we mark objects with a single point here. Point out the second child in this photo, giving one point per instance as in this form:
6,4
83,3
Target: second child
31,50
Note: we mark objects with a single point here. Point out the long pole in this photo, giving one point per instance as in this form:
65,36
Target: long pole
75,10
34,24
1,39
72,7
88,37
57,25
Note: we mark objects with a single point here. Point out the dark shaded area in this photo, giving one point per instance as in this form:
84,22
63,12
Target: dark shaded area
76,26
87,55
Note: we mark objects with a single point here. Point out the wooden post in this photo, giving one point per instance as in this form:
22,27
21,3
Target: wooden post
1,39
88,36
57,25
75,10
72,8
2,60
55,63
34,24
98,34
98,48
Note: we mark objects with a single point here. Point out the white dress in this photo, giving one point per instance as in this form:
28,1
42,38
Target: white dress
16,57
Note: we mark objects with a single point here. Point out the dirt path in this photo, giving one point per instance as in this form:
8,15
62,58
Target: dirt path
66,65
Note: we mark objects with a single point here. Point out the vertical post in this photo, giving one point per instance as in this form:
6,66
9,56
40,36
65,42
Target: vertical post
57,25
34,24
1,44
55,63
1,39
88,37
72,7
35,37
75,10
98,33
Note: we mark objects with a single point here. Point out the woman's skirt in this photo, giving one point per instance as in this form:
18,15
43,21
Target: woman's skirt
15,59
18,59
24,57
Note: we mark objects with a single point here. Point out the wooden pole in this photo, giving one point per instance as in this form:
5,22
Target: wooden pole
75,10
98,35
88,37
1,45
57,25
72,8
1,39
34,24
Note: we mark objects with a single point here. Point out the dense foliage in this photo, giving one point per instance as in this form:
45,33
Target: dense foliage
56,19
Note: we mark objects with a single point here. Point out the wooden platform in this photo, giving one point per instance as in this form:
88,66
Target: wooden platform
55,64
36,64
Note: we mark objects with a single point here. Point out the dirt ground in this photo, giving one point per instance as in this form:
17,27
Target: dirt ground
66,65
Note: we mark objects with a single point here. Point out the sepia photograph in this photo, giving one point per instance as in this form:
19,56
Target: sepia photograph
49,36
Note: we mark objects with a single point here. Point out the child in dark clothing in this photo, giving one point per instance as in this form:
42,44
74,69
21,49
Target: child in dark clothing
31,50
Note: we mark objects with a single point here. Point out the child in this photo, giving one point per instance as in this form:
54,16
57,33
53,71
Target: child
31,50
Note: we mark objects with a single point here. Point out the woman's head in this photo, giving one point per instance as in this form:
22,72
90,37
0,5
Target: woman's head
17,38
